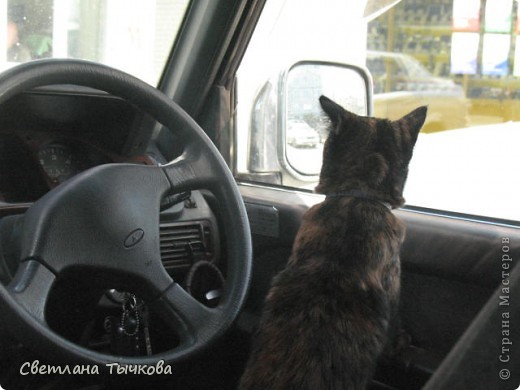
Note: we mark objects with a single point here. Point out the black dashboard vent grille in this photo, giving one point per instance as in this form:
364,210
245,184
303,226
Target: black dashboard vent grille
183,244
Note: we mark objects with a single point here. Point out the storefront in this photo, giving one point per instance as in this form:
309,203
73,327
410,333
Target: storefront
475,43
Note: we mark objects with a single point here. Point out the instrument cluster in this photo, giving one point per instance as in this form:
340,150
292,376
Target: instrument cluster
60,161
32,163
49,136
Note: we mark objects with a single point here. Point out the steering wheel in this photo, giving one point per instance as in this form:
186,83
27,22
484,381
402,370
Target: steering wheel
106,220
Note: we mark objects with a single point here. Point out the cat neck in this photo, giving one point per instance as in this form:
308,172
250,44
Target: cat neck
357,194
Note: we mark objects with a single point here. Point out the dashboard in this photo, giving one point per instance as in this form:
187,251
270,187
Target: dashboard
48,136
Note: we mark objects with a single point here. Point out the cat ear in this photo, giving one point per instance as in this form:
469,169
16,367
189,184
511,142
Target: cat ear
332,109
413,122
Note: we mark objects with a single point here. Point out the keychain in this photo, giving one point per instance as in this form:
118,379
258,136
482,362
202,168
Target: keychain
129,334
130,316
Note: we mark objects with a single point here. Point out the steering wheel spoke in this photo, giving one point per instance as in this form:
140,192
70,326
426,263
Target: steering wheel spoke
183,313
193,170
31,287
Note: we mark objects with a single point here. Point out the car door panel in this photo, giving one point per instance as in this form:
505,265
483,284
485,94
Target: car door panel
471,247
450,268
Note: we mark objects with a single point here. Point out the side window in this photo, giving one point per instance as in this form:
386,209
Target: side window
459,57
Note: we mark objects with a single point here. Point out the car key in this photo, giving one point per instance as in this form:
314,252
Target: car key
145,324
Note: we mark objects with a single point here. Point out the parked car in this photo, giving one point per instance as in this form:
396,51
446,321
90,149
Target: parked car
401,82
300,135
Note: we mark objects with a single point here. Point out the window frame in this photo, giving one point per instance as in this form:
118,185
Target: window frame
247,180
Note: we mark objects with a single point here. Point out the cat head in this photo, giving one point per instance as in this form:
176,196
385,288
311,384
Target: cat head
368,154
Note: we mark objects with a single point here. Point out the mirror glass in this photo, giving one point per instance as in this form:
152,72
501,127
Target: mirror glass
306,127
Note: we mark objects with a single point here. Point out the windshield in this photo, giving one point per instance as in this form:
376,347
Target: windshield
135,36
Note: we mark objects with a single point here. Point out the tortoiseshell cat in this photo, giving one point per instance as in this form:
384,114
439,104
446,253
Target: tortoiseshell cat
326,316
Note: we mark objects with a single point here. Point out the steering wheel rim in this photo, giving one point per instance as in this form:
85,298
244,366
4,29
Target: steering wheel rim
200,166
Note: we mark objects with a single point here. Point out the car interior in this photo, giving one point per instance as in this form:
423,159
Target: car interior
131,241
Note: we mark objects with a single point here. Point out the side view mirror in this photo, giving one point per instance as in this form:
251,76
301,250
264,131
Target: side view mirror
288,126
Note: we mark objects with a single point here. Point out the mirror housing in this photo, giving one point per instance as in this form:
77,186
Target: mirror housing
287,125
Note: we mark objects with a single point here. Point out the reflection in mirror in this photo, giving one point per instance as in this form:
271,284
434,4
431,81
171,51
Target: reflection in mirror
306,125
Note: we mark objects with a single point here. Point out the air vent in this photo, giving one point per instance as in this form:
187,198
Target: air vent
183,244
